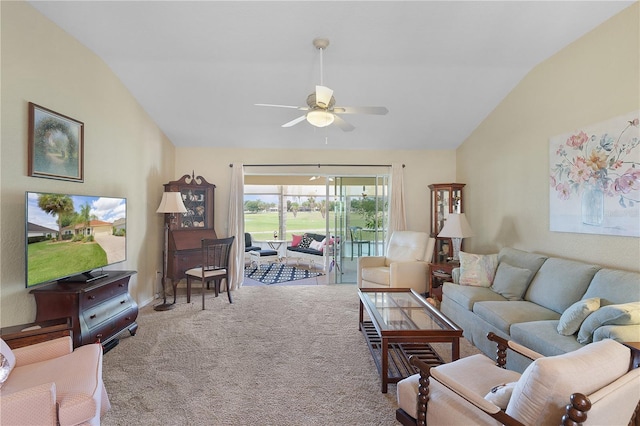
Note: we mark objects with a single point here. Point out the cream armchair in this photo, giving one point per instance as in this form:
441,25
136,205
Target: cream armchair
405,265
594,385
50,383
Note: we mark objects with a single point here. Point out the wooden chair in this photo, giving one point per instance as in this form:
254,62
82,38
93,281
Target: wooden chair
596,384
215,266
356,240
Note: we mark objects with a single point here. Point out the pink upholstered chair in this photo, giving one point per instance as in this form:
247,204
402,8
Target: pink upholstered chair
594,385
49,383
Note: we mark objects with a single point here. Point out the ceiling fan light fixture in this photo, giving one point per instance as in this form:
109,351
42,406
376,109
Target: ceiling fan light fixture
320,118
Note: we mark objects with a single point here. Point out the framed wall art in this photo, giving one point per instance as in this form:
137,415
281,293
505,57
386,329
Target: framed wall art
595,178
56,145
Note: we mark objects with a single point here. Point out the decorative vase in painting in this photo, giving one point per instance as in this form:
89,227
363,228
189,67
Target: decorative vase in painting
593,205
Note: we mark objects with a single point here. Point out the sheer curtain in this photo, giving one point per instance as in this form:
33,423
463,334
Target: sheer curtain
236,225
397,213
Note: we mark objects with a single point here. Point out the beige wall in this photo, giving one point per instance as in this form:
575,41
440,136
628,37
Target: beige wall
422,168
505,162
126,155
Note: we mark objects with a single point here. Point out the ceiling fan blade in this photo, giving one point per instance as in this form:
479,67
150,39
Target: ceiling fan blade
361,110
323,96
339,121
284,106
295,121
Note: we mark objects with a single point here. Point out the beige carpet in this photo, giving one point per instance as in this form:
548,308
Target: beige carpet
289,355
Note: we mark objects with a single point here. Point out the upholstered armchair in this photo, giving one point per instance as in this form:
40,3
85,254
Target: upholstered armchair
405,265
49,383
594,385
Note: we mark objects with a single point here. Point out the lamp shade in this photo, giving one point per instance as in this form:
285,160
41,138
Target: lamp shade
171,203
320,118
323,96
456,226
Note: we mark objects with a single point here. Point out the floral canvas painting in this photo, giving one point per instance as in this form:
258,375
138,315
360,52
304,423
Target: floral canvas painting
595,178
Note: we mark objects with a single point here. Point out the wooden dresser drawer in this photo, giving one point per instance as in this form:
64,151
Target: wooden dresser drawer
105,292
106,310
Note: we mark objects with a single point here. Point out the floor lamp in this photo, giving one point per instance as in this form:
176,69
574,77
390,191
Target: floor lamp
456,227
171,203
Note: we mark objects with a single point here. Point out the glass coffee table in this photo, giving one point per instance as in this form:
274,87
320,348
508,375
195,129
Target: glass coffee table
402,323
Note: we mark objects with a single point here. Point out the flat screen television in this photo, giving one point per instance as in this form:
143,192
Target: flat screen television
72,237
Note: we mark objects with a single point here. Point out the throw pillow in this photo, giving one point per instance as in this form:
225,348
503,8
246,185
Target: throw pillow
622,314
295,240
305,242
501,394
477,269
7,361
316,245
510,282
575,314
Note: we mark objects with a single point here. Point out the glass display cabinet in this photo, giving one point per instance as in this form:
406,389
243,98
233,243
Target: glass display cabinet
446,198
197,196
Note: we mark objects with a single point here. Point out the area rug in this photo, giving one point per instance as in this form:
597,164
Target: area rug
274,273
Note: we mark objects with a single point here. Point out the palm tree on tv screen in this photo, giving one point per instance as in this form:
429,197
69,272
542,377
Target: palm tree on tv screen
56,205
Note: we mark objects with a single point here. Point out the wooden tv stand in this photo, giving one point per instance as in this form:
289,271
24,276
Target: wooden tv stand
99,310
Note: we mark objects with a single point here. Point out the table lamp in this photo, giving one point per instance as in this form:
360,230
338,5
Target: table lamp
171,203
456,227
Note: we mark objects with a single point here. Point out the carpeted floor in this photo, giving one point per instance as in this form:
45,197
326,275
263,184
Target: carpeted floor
279,355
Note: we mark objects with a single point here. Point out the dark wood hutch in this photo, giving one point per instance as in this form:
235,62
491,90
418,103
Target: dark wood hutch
186,230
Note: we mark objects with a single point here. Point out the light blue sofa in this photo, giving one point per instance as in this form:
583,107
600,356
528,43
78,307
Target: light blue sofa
554,284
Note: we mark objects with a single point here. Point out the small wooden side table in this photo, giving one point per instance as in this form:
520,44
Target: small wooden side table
18,336
439,273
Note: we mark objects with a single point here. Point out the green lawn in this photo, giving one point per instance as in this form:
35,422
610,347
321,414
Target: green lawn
262,225
49,260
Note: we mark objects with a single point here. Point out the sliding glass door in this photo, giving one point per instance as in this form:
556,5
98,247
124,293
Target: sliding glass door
351,209
360,221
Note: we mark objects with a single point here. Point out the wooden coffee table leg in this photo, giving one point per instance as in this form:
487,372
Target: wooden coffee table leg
455,349
384,371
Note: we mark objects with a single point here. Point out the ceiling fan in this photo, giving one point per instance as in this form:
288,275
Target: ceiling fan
321,108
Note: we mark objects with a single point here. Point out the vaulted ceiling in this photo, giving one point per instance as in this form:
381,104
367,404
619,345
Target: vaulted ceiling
440,67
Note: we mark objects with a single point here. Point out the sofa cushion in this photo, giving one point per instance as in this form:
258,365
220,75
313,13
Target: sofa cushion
477,269
463,373
466,296
623,314
304,250
614,286
544,388
503,314
575,314
559,283
511,282
377,274
521,259
543,337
